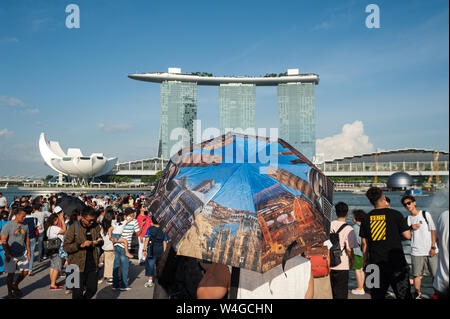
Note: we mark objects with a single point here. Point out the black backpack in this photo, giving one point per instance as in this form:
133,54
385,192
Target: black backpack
335,251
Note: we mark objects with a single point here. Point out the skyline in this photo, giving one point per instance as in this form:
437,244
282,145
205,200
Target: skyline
381,88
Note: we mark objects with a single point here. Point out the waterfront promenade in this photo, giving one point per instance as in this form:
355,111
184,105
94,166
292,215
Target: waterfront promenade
37,286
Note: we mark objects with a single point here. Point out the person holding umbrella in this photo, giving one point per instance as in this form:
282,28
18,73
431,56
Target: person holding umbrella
246,210
215,284
295,282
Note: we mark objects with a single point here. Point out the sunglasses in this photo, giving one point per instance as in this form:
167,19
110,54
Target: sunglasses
90,221
407,204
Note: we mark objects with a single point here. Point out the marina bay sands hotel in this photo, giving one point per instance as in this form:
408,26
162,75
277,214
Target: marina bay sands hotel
237,96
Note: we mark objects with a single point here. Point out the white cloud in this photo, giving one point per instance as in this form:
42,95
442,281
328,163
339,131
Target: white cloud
351,141
26,153
113,128
9,40
32,111
9,101
5,132
323,26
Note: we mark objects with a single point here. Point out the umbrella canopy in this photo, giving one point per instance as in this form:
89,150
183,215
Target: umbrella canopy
227,201
69,204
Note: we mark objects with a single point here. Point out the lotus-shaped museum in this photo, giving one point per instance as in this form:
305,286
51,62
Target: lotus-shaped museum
74,163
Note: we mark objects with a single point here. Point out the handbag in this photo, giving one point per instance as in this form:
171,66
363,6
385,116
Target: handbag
51,246
318,256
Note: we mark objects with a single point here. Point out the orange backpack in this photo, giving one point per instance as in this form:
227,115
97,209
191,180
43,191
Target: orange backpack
318,256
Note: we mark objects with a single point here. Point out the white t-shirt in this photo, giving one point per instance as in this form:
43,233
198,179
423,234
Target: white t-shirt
118,229
2,202
107,243
274,284
441,279
421,238
41,216
53,232
128,231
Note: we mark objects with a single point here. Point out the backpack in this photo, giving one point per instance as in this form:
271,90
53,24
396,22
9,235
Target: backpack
318,256
425,217
335,251
32,226
156,236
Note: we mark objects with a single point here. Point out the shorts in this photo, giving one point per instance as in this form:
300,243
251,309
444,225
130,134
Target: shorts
21,263
358,262
55,262
424,265
116,236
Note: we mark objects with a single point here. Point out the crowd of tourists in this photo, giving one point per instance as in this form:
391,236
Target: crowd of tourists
101,234
97,235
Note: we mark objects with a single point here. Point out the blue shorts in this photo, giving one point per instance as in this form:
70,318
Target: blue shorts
116,236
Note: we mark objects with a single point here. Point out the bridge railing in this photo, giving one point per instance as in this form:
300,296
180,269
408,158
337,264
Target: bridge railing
382,167
143,165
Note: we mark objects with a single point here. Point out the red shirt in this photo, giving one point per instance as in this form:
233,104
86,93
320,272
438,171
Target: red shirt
147,223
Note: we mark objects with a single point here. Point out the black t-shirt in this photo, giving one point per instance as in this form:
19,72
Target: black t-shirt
90,262
383,228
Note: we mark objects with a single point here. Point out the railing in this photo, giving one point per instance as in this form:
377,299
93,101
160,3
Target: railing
382,167
143,165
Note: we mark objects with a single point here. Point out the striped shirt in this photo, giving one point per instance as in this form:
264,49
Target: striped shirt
127,233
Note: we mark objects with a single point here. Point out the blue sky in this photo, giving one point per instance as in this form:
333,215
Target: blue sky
73,85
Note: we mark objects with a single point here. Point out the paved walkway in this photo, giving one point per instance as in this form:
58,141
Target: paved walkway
38,286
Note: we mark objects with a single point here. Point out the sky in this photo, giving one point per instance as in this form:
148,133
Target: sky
380,88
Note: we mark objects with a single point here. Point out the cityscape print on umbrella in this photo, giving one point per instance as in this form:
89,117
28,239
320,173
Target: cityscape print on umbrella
230,213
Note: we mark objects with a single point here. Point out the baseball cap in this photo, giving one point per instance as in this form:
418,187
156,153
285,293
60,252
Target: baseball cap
57,209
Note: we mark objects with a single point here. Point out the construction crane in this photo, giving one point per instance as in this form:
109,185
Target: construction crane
375,179
435,169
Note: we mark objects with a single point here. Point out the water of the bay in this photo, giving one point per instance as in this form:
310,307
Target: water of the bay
435,203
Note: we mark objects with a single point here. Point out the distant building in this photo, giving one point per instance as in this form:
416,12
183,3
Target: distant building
416,162
73,163
400,180
296,117
178,110
237,104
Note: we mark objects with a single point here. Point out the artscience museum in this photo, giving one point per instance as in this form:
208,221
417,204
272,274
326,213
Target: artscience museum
74,164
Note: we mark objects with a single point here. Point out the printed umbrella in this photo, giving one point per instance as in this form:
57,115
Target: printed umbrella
243,201
69,204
